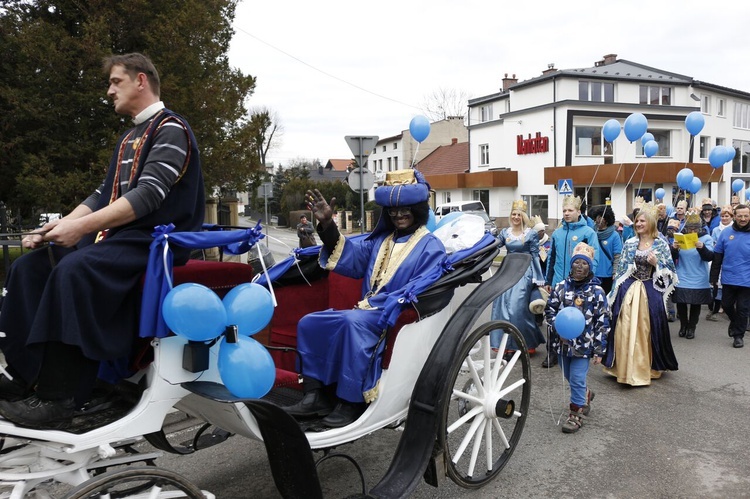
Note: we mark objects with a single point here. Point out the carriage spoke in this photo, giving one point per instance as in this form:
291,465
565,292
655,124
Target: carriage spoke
500,432
511,387
477,445
463,419
488,447
460,394
468,438
475,376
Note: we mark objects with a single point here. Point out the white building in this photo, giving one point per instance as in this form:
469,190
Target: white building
400,151
534,133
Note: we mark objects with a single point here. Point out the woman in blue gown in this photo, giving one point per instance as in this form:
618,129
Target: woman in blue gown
513,305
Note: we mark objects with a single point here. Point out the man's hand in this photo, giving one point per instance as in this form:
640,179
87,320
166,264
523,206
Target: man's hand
322,211
33,240
597,360
66,232
699,244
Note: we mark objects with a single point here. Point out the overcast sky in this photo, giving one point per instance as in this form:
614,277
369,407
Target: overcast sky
334,68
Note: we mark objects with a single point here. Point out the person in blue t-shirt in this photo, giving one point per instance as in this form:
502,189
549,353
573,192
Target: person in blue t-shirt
610,244
735,272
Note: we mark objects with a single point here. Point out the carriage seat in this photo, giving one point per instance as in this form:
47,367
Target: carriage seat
220,277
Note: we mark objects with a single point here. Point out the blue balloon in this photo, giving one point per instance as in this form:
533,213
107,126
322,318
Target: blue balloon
694,122
569,323
646,137
611,130
695,185
635,126
650,148
194,311
685,178
431,221
448,218
249,307
419,127
717,157
660,193
737,185
731,152
246,368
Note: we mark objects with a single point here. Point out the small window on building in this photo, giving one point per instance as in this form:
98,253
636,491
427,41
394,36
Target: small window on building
721,110
389,164
655,95
383,148
703,148
706,104
484,155
589,142
663,138
395,163
596,91
485,113
395,145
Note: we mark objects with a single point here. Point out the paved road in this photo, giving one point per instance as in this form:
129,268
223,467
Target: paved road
684,436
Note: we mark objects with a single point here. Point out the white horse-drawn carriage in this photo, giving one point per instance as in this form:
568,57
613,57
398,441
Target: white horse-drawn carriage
463,406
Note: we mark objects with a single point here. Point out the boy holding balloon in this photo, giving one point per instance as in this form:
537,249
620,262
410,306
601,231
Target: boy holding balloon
578,312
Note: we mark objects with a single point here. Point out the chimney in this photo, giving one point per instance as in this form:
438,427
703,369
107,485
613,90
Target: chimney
550,69
454,141
607,59
320,170
507,82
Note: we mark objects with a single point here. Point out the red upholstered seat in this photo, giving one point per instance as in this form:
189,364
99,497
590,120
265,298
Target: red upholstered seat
221,277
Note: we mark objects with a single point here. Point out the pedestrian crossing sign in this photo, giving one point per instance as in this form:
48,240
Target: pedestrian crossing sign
565,186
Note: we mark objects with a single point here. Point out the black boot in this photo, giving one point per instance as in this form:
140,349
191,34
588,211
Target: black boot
682,332
345,414
315,404
690,333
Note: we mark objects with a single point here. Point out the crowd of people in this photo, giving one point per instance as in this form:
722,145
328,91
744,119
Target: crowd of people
629,278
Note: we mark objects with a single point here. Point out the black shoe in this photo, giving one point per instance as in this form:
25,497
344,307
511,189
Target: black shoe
690,333
344,414
738,342
34,412
14,389
315,404
549,361
682,332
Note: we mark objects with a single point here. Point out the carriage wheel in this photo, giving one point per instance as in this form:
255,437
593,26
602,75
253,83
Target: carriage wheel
486,408
140,481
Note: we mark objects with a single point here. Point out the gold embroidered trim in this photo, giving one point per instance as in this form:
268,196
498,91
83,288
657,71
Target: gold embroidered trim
335,256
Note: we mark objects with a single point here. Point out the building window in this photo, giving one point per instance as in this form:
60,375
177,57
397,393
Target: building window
720,141
538,205
703,148
589,142
484,155
389,164
654,95
383,148
663,138
706,104
596,91
395,146
446,197
721,110
741,162
741,115
395,163
482,195
485,113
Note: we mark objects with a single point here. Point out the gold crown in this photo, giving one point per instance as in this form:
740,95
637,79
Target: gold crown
536,220
400,177
573,201
682,203
707,201
519,205
649,208
693,217
727,209
584,249
638,202
673,223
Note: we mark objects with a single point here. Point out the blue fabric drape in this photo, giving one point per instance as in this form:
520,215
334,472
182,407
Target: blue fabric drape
158,279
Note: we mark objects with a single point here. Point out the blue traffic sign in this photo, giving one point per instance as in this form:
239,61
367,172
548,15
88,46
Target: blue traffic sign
565,186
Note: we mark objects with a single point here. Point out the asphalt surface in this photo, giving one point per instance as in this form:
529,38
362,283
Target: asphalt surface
683,436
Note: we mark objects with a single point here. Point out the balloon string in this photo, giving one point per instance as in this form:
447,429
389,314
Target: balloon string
265,271
586,194
640,184
414,159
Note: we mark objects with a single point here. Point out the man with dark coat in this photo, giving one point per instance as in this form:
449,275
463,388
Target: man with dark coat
84,282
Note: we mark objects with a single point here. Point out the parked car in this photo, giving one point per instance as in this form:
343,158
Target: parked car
473,207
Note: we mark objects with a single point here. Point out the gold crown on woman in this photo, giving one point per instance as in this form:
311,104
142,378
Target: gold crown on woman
572,201
648,207
519,204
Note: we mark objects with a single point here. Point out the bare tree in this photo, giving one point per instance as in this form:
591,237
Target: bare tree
444,102
267,130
